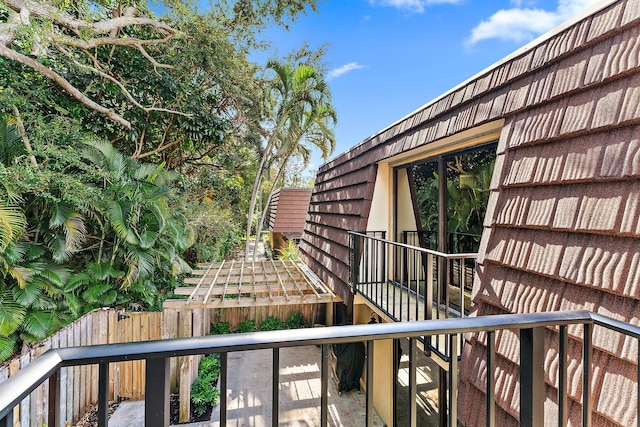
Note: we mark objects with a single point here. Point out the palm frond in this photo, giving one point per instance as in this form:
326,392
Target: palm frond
12,224
28,295
8,345
11,314
37,325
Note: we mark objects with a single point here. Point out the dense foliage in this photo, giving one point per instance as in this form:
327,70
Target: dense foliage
130,135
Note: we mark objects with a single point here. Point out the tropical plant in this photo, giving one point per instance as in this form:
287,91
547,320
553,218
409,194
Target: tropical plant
297,94
204,392
315,128
290,252
295,320
271,324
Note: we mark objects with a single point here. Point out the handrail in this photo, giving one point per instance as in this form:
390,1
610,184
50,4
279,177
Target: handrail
13,390
26,380
418,248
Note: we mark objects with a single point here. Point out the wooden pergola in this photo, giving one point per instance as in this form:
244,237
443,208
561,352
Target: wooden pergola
230,284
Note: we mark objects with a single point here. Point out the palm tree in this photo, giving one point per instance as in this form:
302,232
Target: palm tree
299,95
316,129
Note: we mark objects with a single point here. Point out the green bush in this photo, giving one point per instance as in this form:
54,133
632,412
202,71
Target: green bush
271,324
220,328
295,321
246,326
204,392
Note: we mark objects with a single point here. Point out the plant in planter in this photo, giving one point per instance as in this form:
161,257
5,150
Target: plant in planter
204,393
294,321
271,324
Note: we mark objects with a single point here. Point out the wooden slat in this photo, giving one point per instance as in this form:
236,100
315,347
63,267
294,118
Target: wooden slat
212,283
240,281
308,281
203,277
260,302
286,295
235,289
224,292
293,280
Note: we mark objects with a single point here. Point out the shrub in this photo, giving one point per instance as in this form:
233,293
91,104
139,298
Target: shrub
220,328
204,392
295,321
246,326
272,324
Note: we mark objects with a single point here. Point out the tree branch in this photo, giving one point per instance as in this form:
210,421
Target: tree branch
158,149
70,22
23,135
64,83
121,86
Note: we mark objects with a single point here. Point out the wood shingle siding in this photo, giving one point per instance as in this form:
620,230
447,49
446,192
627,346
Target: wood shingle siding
287,211
562,229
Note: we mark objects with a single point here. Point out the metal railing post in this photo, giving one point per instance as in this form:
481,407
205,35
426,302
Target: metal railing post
157,390
369,385
491,380
275,388
103,394
54,399
7,421
324,386
532,377
563,341
453,381
413,388
587,358
224,372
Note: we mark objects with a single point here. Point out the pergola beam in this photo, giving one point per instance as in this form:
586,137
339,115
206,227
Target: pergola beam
253,285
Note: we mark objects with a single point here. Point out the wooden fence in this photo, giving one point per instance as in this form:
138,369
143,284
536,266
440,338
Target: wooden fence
79,384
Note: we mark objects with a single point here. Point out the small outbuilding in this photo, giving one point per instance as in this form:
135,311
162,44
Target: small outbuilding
286,215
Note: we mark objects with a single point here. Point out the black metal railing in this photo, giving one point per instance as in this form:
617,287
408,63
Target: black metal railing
532,329
409,282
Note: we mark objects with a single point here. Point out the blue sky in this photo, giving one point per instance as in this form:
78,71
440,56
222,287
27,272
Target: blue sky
387,58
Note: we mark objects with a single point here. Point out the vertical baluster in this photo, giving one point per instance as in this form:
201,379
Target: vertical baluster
453,380
275,388
224,372
461,282
7,421
156,402
103,394
324,386
532,377
491,379
562,375
428,299
417,256
369,394
413,388
385,274
402,263
586,374
54,399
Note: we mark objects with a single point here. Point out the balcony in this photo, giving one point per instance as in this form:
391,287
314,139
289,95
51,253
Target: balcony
157,354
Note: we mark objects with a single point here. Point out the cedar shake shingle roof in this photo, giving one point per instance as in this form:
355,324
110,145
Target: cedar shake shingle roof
562,230
287,211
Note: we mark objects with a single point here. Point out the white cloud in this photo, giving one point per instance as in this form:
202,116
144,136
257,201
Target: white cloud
337,72
414,6
522,24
